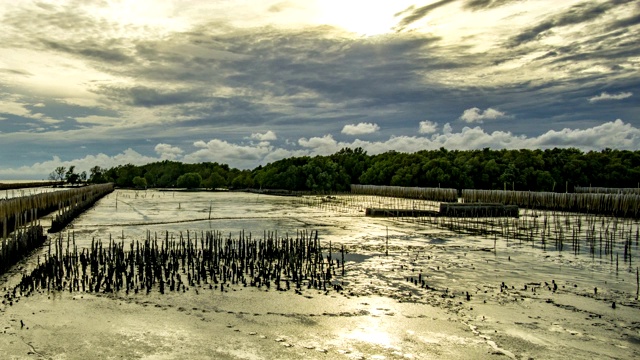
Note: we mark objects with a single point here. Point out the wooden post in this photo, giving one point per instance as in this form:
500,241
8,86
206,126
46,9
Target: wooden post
342,251
386,253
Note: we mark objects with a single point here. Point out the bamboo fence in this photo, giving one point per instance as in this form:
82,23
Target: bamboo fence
433,194
19,244
78,204
620,205
16,212
24,185
605,190
596,235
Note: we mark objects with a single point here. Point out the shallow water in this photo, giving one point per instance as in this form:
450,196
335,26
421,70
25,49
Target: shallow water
385,311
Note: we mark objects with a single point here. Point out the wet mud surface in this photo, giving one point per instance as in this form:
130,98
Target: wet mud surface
410,291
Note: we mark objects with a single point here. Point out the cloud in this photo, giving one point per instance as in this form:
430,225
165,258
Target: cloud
216,150
486,4
320,145
419,13
147,97
582,12
476,115
88,49
15,72
12,105
268,136
111,81
427,127
168,152
41,170
614,134
360,129
625,22
607,96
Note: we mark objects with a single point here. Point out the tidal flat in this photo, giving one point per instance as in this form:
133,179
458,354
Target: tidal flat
411,290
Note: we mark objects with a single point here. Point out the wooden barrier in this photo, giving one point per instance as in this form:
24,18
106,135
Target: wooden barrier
434,194
620,205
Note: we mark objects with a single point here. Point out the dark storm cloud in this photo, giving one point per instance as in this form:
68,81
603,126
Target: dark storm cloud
271,72
147,97
415,14
16,72
583,12
626,22
89,49
337,69
277,76
48,19
605,56
66,29
486,4
279,6
315,78
614,50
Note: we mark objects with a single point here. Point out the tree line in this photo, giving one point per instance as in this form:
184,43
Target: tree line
556,170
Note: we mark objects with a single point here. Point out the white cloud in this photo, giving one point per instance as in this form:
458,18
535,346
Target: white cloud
241,156
97,119
614,134
41,170
320,145
360,129
168,152
606,96
476,115
268,136
447,129
427,127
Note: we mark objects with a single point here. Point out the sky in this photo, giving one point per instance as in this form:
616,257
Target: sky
249,82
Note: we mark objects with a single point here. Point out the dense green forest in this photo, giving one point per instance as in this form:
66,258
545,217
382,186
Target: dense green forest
535,170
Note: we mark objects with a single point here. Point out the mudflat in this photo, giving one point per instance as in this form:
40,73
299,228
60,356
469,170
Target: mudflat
410,291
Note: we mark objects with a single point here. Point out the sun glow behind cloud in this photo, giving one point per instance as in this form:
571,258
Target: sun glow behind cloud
367,18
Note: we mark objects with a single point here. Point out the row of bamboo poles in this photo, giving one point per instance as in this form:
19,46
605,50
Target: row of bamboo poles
595,235
615,239
620,202
434,194
619,205
605,190
78,203
20,211
20,243
211,260
349,203
24,185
